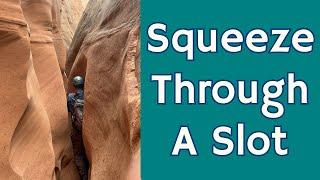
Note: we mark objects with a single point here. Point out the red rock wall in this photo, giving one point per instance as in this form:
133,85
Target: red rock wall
71,11
35,130
35,142
105,50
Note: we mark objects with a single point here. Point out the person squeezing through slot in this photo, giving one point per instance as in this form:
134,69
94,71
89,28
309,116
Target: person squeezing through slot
75,103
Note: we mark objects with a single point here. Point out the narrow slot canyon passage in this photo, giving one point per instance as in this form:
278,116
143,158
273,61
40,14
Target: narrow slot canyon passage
71,86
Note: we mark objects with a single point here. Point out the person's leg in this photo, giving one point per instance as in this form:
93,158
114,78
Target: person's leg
79,154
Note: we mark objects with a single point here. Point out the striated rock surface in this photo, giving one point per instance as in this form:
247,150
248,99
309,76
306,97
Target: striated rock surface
25,128
71,11
105,50
84,2
40,16
35,130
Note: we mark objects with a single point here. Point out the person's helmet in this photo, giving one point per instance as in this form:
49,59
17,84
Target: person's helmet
78,82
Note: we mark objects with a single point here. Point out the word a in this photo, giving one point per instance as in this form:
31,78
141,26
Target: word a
221,136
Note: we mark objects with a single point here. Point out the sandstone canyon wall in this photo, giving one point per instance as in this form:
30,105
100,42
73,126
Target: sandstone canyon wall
71,11
84,2
35,130
105,50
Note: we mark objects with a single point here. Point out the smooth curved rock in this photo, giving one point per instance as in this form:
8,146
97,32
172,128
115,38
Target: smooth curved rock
26,150
39,15
105,50
71,11
35,140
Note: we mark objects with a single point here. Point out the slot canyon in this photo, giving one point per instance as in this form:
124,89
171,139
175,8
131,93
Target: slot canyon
44,44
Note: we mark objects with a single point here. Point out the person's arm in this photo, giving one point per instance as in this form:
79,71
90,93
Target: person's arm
70,102
78,119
